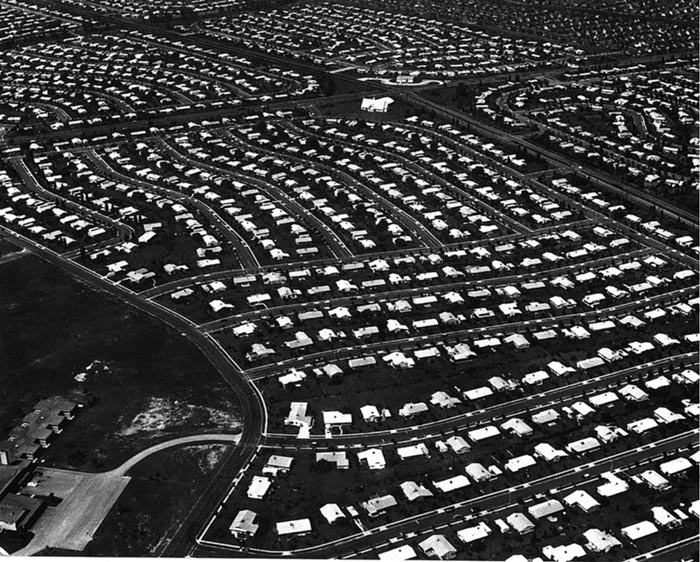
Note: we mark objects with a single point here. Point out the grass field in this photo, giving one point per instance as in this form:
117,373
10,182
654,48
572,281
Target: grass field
162,489
143,383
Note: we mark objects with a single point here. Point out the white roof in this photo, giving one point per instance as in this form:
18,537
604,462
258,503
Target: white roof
633,392
545,416
535,377
293,527
332,512
477,472
458,444
475,533
476,393
519,522
603,398
639,530
614,485
600,541
259,487
654,479
369,412
404,552
675,466
517,426
564,553
519,463
583,445
549,453
336,418
374,457
244,522
545,509
454,483
376,104
483,433
417,450
582,499
663,516
437,545
413,491
642,426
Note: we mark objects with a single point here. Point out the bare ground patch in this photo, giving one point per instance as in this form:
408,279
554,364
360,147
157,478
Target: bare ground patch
163,416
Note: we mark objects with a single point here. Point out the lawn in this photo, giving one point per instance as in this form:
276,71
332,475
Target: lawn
143,383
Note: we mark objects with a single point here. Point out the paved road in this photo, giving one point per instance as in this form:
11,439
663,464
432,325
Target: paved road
350,545
360,258
252,409
122,469
372,296
336,246
14,255
125,231
686,549
511,408
601,178
266,370
86,500
245,254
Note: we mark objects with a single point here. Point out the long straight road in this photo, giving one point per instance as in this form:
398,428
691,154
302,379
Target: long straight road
349,545
602,178
511,408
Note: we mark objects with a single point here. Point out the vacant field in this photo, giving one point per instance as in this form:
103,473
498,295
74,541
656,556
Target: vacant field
163,488
141,383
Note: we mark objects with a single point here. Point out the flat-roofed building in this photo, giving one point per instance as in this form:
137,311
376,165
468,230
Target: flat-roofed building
639,530
18,512
472,534
405,552
293,527
259,487
451,484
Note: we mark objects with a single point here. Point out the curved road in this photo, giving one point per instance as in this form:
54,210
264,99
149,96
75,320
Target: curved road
252,408
122,469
